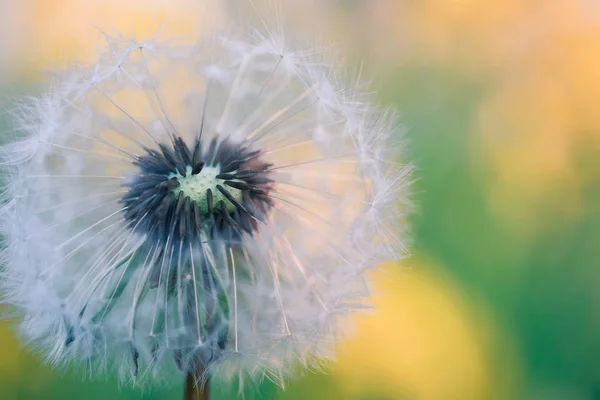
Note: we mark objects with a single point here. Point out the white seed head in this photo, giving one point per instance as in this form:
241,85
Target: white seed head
213,206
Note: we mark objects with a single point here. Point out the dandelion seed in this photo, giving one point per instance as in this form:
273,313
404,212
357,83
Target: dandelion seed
206,210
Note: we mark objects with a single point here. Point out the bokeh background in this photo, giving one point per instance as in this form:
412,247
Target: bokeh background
500,101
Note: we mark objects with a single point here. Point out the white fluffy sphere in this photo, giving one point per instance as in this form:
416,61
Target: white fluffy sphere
211,207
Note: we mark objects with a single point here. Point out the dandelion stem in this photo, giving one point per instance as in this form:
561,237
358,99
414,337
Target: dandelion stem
194,389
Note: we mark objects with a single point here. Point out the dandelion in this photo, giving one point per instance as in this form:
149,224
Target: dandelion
206,210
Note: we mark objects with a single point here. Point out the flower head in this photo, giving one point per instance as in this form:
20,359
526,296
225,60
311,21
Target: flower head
212,207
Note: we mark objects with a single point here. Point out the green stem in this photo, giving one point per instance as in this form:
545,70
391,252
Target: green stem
195,390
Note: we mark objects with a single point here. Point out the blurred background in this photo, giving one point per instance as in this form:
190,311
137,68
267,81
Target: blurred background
500,101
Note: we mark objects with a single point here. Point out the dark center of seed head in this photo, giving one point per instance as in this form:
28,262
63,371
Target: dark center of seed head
181,191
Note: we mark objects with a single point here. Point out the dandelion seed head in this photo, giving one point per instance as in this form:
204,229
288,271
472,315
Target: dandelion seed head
215,206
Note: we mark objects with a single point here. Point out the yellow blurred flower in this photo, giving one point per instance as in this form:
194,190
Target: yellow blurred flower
543,109
10,354
539,66
423,342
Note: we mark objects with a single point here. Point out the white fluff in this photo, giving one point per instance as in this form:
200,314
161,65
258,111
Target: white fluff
339,206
